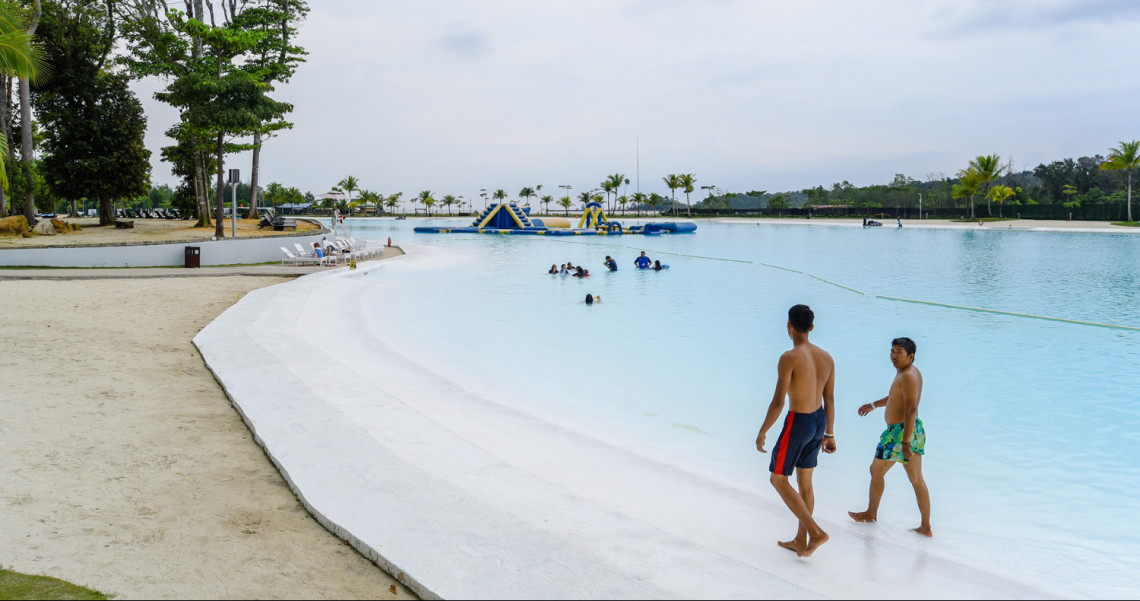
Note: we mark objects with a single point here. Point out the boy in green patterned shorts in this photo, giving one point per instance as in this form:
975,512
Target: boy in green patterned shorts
904,440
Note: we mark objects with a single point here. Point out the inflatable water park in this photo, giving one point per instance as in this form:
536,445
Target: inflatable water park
510,218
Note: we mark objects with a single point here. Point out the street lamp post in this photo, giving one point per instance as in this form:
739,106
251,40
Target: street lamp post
483,193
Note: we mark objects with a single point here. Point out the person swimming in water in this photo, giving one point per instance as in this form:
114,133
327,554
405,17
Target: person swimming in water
642,262
579,272
553,270
657,266
610,263
591,299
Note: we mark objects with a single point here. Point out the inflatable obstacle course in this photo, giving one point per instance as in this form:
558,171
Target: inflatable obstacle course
509,218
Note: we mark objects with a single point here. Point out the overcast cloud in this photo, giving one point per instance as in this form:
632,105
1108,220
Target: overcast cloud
454,96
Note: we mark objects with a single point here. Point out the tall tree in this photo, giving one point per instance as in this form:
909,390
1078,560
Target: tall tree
447,201
1124,157
350,185
500,195
27,145
967,187
426,198
988,168
565,202
687,180
526,193
673,181
999,194
19,57
93,124
275,59
616,180
639,199
546,200
218,100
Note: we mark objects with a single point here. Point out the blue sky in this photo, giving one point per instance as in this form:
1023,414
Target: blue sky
455,96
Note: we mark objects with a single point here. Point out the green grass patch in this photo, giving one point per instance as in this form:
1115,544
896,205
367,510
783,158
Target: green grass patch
1127,223
14,585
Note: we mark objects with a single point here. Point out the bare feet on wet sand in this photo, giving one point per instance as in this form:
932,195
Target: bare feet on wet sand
797,545
924,530
814,543
862,516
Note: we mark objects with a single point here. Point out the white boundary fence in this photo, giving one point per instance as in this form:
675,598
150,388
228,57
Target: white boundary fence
227,251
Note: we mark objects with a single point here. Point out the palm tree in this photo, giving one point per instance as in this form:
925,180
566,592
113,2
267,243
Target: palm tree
616,180
20,58
546,200
369,197
621,201
274,193
565,202
1000,193
672,181
585,198
638,200
448,201
607,187
424,197
392,201
349,184
967,187
1125,157
526,193
499,195
989,169
654,200
687,180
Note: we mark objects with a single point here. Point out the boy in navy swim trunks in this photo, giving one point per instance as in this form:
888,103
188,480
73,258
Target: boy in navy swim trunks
904,440
806,376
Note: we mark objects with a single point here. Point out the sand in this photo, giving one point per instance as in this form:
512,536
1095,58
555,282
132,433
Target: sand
146,230
124,467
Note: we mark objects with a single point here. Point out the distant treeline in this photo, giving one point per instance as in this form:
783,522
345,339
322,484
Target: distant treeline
1070,181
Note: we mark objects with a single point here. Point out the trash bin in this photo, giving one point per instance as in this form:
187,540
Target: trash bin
193,256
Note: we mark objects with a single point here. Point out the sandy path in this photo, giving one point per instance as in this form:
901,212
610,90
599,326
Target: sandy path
123,466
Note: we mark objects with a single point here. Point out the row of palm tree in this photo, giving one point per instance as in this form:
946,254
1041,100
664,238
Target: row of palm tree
977,177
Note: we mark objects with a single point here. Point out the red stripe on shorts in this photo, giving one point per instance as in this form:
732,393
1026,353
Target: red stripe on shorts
783,444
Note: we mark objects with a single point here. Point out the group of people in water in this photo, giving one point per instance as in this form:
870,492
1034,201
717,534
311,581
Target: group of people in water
568,268
806,378
641,262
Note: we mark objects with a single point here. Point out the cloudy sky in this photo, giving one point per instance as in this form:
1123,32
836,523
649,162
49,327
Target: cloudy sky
455,96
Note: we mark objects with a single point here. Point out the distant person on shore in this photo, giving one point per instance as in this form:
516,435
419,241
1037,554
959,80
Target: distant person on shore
553,270
317,252
900,221
610,263
904,440
806,376
864,222
642,262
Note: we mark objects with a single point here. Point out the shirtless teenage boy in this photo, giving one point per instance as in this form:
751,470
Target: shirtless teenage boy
904,440
806,376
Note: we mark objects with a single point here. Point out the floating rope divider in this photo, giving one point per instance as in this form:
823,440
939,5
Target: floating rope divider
1029,315
837,285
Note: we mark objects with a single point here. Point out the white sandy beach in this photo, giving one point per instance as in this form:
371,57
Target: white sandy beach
123,465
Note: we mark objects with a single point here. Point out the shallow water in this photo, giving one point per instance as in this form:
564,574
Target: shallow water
1032,424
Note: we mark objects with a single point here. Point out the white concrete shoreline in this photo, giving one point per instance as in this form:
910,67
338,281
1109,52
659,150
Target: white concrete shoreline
1023,225
459,496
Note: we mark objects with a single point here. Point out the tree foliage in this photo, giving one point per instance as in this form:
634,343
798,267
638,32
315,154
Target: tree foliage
93,124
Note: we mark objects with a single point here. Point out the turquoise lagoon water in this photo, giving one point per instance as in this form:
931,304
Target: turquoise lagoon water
1033,425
